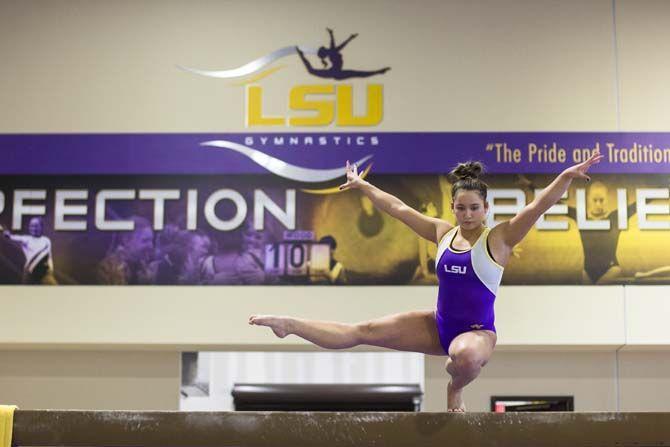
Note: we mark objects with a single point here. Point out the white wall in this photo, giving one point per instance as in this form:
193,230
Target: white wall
90,380
215,318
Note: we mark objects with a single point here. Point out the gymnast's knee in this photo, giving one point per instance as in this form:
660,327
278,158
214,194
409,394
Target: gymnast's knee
364,333
467,358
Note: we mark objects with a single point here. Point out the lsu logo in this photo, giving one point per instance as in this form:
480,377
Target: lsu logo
336,106
327,103
460,269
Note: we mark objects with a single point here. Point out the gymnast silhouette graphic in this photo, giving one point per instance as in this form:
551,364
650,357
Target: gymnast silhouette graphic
333,66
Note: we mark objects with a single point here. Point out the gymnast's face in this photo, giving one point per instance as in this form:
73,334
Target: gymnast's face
470,209
598,201
35,227
253,240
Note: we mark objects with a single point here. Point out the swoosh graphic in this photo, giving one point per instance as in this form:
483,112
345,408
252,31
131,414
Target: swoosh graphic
257,77
280,167
336,189
252,66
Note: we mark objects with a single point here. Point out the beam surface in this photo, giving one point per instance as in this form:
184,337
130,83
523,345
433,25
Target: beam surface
324,429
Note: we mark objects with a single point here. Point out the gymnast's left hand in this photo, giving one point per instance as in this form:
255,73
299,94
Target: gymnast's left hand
579,170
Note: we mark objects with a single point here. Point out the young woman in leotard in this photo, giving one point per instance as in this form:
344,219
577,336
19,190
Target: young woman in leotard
470,263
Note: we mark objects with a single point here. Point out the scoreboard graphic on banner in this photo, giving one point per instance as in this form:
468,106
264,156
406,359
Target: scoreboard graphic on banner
298,255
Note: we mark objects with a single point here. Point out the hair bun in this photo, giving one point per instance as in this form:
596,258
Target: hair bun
467,170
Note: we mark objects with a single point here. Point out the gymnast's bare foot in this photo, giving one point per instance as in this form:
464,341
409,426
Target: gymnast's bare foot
279,325
455,402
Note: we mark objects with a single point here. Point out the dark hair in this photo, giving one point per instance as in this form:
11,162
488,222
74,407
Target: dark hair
466,176
330,240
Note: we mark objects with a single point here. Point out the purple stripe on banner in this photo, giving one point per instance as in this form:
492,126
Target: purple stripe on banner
393,152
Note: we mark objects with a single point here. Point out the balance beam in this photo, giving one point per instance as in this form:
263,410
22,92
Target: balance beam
305,429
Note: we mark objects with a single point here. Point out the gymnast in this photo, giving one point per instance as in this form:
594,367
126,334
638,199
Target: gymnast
470,263
333,54
39,266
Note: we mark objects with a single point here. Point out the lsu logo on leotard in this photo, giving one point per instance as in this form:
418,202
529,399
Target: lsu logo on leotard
476,326
460,269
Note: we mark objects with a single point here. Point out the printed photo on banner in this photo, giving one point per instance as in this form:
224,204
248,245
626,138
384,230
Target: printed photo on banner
260,229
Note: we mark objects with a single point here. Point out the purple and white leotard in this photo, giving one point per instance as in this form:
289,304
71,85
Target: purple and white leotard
468,284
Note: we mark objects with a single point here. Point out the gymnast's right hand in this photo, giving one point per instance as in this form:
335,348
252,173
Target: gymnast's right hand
354,180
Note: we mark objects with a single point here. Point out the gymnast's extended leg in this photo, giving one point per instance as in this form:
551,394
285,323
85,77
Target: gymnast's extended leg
410,331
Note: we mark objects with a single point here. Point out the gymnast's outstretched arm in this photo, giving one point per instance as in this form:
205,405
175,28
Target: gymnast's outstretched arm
332,38
18,238
660,271
430,228
344,44
514,230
